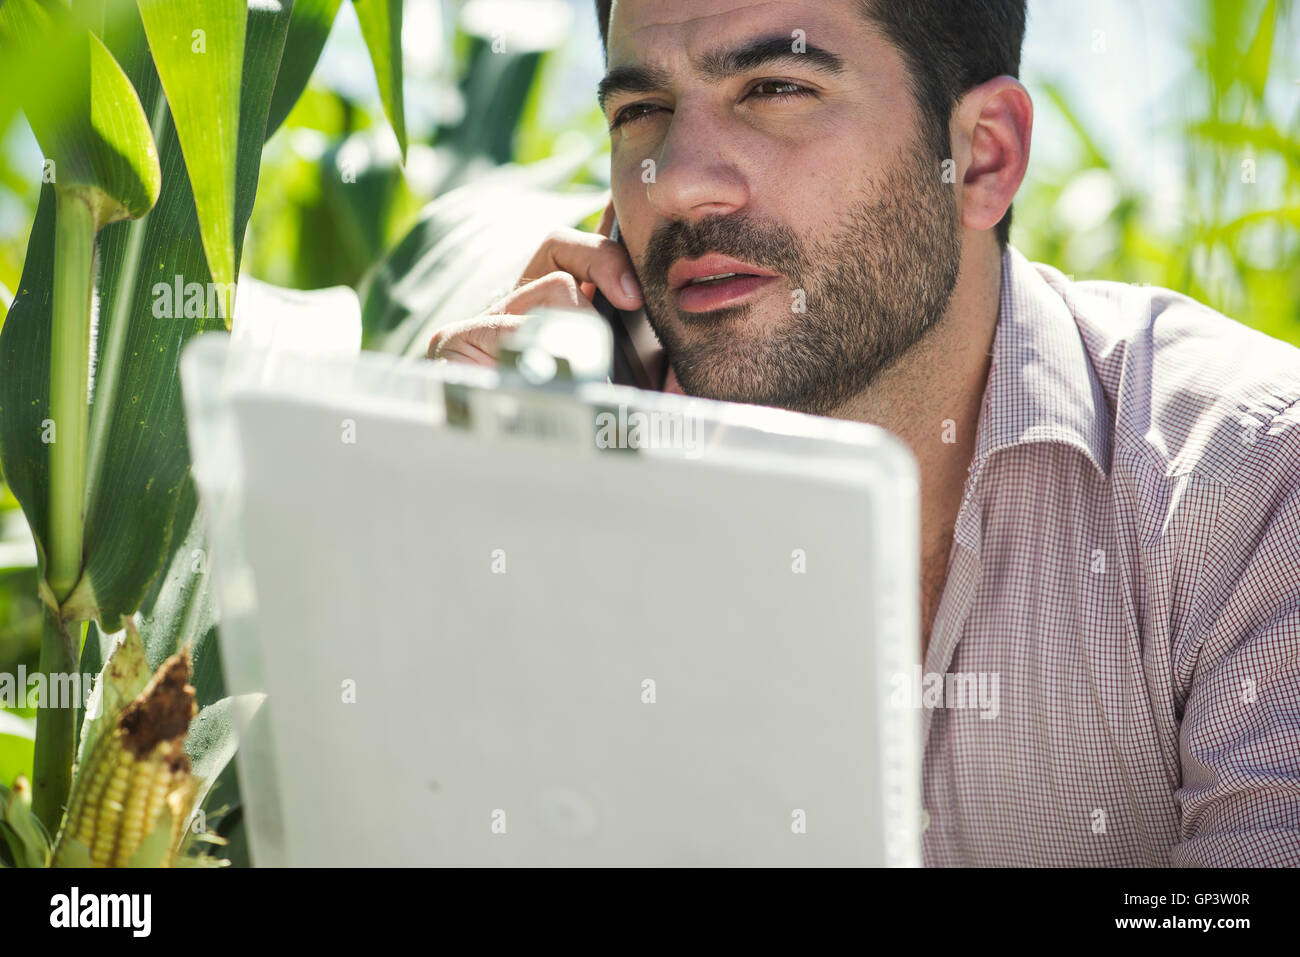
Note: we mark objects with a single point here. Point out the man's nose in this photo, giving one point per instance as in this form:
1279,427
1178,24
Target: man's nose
695,173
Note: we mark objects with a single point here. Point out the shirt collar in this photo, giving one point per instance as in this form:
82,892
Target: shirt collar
1042,386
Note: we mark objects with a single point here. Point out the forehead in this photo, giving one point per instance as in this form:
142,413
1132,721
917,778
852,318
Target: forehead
655,30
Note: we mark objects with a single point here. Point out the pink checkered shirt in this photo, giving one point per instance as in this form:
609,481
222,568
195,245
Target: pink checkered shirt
1126,561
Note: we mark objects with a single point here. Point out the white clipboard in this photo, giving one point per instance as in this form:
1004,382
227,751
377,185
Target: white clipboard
487,637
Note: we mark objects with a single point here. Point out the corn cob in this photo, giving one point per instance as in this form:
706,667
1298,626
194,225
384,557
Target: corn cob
136,771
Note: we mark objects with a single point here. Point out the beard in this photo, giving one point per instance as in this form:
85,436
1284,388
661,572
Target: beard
869,292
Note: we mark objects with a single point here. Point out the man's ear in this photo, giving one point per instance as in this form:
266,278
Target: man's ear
991,128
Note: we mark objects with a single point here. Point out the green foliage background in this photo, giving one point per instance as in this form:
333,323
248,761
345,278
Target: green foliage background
335,198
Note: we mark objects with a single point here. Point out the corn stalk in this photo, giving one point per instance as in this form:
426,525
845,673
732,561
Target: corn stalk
92,439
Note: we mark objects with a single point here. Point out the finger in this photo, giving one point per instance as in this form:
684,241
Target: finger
477,341
589,258
556,290
606,224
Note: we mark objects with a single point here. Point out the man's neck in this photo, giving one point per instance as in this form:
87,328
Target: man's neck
931,400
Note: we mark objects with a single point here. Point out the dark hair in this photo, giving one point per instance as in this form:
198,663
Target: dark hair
949,46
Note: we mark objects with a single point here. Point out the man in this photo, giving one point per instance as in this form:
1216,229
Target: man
1110,492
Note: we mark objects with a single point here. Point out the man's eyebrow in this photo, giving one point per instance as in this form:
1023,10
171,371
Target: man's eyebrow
718,65
630,79
765,51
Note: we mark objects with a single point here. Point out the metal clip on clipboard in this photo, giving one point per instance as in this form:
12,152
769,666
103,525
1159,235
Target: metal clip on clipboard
540,367
557,349
553,352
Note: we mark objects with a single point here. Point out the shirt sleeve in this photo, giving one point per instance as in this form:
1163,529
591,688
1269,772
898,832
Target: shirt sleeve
1239,738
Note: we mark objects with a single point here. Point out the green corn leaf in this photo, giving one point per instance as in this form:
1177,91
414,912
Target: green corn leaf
1264,136
198,50
28,840
83,110
1258,57
381,25
178,608
466,246
496,89
139,530
211,741
123,676
1231,230
155,312
137,459
10,83
1093,155
309,27
102,165
361,186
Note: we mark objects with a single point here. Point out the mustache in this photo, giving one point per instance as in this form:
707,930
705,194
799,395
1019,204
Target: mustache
766,244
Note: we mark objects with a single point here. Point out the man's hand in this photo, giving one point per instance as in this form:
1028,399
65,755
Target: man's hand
565,274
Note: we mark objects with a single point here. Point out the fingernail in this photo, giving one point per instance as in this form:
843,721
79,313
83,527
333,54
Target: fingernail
631,288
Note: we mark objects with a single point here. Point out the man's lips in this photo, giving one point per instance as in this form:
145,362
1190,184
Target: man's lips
720,294
740,280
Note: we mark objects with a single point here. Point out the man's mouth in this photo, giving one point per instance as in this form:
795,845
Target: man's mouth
712,282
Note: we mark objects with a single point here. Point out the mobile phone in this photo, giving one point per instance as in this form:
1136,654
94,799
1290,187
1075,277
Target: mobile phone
638,355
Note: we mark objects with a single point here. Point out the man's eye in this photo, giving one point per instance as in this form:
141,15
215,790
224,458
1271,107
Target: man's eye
630,114
770,90
779,90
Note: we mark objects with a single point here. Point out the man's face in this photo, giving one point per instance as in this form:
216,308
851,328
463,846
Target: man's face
796,163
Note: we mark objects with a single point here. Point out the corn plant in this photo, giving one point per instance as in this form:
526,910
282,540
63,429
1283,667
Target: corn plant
152,115
1235,244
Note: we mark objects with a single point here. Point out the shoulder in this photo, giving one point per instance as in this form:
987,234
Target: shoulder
1189,389
1204,414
